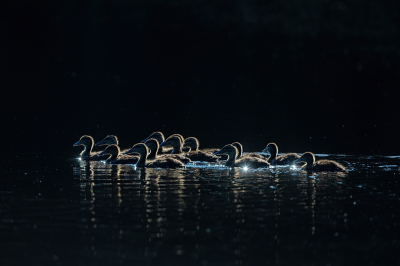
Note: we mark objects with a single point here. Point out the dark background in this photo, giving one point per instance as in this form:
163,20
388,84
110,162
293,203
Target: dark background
319,75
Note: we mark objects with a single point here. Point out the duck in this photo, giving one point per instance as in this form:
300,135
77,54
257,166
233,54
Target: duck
159,136
87,154
239,147
321,165
153,145
110,139
284,159
249,162
163,162
195,154
116,157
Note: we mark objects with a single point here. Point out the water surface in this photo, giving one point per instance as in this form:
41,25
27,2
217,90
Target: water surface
71,212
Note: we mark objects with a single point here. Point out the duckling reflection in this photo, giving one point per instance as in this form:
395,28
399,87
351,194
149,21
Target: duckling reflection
164,162
239,147
322,165
153,145
169,196
87,154
195,154
115,157
287,158
249,162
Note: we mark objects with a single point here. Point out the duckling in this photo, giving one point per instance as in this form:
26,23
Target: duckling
176,141
250,162
110,139
287,158
322,165
155,135
115,157
153,145
194,154
239,147
164,162
159,136
87,154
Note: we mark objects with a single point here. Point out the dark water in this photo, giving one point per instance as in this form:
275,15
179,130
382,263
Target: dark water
67,212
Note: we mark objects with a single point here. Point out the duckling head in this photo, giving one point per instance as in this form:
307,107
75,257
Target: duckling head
307,157
192,143
271,148
110,139
140,148
229,149
111,149
239,148
155,135
174,141
153,145
86,141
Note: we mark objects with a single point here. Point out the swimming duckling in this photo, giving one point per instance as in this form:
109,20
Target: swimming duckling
194,154
115,157
239,147
110,139
159,136
250,162
153,145
155,135
175,141
87,154
162,162
287,158
322,165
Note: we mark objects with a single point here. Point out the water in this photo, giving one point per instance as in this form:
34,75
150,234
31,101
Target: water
66,212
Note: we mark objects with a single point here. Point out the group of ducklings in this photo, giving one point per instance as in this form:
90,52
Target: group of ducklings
175,151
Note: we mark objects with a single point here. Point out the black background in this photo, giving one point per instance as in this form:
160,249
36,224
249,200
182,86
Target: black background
319,76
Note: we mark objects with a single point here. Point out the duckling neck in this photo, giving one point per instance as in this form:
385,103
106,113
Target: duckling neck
273,154
177,149
195,147
239,154
142,159
231,159
112,157
153,154
86,152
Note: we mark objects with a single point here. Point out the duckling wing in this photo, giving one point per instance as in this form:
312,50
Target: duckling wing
212,151
166,163
251,162
178,157
254,155
126,159
327,165
287,158
164,150
201,156
94,156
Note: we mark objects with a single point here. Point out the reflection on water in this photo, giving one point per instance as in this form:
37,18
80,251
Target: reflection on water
92,213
